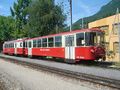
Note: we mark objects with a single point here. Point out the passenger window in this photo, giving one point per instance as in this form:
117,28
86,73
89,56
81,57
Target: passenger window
58,41
9,45
50,42
15,45
44,42
21,44
80,39
34,43
29,44
39,42
69,40
12,45
26,44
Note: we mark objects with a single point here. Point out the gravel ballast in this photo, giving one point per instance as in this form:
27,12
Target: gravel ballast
8,83
16,77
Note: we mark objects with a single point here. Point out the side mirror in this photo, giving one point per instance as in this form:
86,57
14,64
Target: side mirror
83,42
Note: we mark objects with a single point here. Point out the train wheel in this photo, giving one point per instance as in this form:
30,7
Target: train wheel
104,58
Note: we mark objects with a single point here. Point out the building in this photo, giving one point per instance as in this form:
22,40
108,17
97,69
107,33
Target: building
110,26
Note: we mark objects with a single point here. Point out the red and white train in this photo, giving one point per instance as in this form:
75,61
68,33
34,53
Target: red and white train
72,46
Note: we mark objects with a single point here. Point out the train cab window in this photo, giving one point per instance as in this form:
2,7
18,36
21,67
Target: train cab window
58,41
80,39
44,42
39,42
29,44
34,43
50,42
69,40
94,38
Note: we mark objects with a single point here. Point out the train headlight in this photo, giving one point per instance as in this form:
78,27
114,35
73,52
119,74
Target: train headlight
92,50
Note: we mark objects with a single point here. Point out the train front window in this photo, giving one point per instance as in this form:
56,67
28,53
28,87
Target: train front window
94,38
100,38
80,39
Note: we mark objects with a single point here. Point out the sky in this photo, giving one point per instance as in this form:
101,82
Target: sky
81,8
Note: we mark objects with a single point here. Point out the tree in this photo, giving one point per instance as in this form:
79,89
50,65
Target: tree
6,28
44,18
20,14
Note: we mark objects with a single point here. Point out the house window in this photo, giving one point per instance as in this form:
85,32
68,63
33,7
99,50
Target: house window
105,28
107,45
116,47
116,28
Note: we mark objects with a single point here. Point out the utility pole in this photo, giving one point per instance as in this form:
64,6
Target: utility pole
70,1
82,23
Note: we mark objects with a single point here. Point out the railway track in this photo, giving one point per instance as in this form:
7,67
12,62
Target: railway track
81,76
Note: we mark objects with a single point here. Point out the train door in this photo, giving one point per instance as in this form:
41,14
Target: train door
23,47
29,43
15,46
69,48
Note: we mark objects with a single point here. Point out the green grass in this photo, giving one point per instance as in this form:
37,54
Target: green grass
117,64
